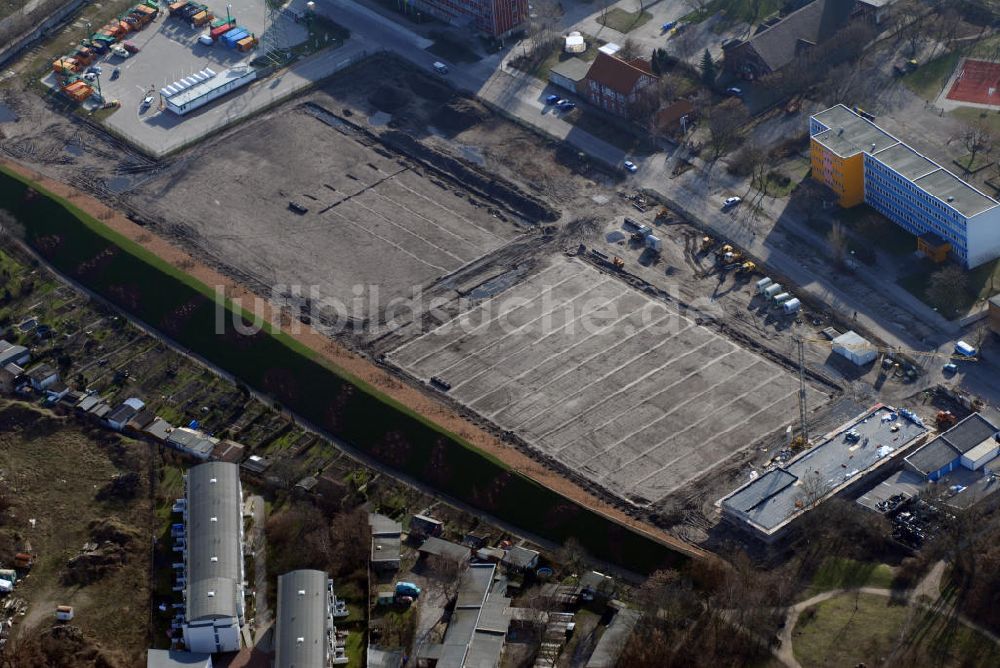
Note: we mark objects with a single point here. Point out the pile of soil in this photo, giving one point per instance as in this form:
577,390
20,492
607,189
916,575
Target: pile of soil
458,115
114,542
390,99
66,646
122,487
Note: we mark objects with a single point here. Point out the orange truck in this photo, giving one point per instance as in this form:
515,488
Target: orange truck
65,65
78,91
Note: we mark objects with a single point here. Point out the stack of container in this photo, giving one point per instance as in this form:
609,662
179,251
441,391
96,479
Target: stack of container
77,91
232,38
218,31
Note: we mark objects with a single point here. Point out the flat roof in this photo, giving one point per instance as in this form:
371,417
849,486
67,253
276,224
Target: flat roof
444,548
384,525
303,618
173,658
210,84
476,630
983,449
776,497
904,482
955,192
849,134
906,161
574,69
612,642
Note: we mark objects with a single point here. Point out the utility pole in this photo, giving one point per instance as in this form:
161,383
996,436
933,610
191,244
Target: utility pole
804,429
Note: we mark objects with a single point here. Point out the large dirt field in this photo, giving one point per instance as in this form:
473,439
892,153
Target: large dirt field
53,471
621,388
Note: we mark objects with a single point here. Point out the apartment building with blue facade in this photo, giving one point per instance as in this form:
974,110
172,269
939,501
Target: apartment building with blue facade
906,187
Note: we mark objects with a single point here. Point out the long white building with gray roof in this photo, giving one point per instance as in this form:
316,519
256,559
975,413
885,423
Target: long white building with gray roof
305,635
213,558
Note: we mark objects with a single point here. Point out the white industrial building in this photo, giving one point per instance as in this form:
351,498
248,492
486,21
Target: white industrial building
855,348
212,543
197,90
306,636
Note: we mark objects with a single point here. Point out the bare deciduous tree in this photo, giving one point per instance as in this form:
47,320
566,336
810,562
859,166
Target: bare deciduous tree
947,287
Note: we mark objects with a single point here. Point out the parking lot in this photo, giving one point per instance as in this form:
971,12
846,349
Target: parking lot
169,51
376,228
615,385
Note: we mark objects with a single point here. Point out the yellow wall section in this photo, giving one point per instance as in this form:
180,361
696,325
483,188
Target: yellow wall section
844,176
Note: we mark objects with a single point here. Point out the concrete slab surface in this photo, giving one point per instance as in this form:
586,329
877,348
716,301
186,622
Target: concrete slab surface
616,385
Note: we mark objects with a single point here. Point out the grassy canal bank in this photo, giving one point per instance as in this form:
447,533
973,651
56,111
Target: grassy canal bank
174,303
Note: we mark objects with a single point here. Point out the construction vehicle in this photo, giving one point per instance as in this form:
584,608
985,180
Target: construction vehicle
945,420
706,244
662,215
618,263
747,268
728,255
65,66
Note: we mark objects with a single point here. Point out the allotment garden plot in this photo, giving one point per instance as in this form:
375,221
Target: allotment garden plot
614,384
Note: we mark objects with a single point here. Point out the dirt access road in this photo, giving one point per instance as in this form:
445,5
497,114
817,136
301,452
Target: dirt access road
354,365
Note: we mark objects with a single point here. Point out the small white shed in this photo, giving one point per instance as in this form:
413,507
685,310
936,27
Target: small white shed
978,456
64,613
855,348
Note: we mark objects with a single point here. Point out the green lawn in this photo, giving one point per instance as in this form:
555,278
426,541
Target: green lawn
929,79
973,115
984,282
841,573
624,21
539,66
355,649
853,629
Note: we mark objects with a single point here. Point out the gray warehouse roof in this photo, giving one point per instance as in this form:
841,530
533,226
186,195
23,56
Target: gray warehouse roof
215,553
476,630
611,644
953,443
303,617
10,352
776,496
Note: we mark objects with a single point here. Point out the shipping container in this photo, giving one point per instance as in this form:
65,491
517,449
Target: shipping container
174,7
792,305
217,32
232,38
246,44
218,23
762,284
201,18
773,289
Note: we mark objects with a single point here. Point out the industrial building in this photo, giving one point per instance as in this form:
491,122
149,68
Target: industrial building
13,354
855,348
842,459
863,163
306,636
496,18
211,540
190,93
973,443
477,628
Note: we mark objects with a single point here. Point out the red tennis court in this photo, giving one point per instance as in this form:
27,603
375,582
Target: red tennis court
978,81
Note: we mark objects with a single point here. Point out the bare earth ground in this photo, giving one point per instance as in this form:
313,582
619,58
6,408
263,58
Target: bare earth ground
52,469
355,365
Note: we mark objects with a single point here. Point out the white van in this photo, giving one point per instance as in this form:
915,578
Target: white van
440,68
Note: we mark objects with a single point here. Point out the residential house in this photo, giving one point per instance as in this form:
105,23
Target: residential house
495,18
9,375
9,352
192,442
158,429
477,628
41,377
255,464
422,526
119,417
614,85
777,43
141,420
213,576
305,635
386,542
520,559
436,547
174,658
